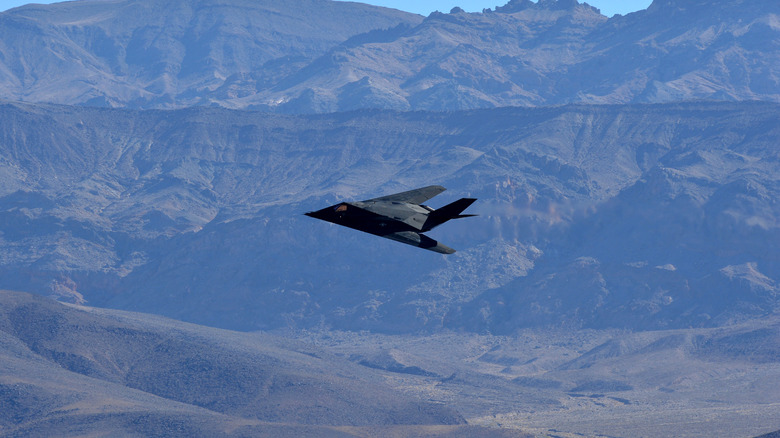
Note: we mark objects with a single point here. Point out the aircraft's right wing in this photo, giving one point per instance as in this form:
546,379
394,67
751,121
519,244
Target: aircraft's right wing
416,196
420,241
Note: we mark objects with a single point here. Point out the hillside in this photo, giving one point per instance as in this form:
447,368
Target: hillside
662,215
74,371
549,53
170,53
318,56
71,370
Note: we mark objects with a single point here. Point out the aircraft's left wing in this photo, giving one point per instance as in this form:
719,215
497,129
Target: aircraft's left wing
420,241
416,196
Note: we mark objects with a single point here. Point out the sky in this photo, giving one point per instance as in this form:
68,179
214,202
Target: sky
425,7
608,7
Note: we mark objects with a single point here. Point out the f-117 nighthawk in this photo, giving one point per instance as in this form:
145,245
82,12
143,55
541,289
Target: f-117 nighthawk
400,217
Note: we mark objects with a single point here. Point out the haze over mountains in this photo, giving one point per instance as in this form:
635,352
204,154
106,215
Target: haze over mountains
157,156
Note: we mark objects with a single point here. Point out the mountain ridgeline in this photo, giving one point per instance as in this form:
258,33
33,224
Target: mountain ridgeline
316,56
170,53
629,216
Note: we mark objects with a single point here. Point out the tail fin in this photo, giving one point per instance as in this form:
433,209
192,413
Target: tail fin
449,211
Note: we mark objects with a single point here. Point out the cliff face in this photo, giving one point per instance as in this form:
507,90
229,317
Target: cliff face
659,214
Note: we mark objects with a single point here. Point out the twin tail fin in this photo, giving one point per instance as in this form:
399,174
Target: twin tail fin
449,211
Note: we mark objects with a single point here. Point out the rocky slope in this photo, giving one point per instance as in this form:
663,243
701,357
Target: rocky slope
644,216
308,56
551,52
163,54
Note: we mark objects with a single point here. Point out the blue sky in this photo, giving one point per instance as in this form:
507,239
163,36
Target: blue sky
425,7
608,7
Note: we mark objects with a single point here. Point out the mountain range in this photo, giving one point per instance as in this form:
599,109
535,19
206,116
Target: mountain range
660,214
323,56
163,54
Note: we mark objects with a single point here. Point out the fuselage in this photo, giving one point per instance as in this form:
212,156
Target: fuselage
378,218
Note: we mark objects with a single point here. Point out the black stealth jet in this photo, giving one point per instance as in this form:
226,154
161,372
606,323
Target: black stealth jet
399,217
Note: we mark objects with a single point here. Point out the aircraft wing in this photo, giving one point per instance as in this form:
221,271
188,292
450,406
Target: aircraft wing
419,240
416,196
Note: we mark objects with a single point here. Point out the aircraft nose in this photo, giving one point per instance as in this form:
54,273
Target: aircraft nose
316,214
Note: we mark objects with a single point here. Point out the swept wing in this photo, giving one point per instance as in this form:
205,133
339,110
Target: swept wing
419,240
416,196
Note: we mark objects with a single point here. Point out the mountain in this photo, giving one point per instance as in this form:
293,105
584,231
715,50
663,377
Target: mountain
70,370
450,61
661,215
549,53
170,53
317,56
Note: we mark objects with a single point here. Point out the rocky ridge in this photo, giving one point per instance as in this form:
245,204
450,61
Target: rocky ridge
302,59
197,215
170,54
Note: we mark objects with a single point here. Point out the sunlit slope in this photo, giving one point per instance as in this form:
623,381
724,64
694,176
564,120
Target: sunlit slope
316,56
69,370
